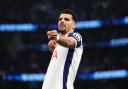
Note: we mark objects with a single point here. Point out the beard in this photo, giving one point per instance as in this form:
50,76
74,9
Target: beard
63,31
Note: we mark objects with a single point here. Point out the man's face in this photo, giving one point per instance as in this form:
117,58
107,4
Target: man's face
65,23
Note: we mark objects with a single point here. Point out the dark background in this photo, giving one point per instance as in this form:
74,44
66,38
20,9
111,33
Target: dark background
18,56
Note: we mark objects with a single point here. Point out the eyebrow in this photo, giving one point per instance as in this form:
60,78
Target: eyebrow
67,19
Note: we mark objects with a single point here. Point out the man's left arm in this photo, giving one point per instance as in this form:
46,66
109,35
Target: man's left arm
69,42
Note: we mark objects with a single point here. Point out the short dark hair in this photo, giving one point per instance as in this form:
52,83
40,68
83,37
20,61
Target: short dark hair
71,12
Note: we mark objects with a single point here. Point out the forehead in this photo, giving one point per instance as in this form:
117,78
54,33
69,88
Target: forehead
65,16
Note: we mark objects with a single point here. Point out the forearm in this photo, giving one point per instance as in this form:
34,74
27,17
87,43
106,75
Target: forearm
52,45
67,41
51,49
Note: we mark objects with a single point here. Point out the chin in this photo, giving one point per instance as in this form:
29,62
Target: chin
62,31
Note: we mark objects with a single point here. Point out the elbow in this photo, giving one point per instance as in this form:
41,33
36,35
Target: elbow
70,45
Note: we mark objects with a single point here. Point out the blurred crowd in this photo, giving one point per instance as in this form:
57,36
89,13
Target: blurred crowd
45,11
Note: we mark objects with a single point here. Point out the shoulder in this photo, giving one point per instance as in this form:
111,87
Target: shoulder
76,35
78,38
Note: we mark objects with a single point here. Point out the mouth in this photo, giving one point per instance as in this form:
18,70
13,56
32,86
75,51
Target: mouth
62,26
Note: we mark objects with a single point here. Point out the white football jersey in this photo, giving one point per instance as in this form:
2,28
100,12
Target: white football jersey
63,66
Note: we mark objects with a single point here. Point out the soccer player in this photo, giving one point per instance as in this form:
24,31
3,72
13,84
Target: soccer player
66,47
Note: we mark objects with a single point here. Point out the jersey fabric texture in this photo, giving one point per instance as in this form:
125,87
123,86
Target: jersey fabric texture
63,66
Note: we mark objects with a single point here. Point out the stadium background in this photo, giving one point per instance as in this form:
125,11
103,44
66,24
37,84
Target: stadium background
24,54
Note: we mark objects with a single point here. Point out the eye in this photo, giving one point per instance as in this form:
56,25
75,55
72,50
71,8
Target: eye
66,19
60,19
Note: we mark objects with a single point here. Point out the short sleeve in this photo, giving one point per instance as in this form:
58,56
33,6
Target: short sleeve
78,38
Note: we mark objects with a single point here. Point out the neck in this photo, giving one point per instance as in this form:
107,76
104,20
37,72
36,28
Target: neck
66,33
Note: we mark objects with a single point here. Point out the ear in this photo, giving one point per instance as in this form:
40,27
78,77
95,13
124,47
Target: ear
74,25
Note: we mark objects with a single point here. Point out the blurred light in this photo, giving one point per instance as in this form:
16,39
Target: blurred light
89,24
104,75
24,77
32,77
119,42
112,43
17,27
126,20
110,74
80,25
13,77
113,74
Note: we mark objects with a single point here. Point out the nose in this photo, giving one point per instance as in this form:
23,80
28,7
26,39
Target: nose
62,20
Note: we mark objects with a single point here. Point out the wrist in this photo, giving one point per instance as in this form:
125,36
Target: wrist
58,37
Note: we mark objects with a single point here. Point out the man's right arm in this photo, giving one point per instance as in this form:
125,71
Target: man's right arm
52,45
